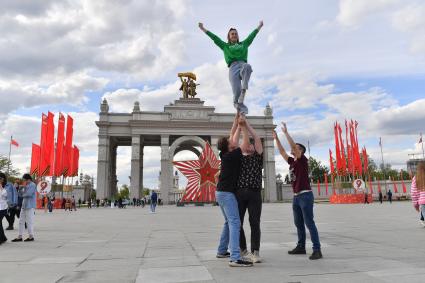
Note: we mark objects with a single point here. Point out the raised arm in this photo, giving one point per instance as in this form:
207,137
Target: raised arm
217,40
252,35
281,149
257,140
291,142
234,126
245,138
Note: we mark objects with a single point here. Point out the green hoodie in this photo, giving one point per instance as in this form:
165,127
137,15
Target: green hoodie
234,51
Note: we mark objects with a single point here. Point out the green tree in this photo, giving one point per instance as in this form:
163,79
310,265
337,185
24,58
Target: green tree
124,192
317,170
4,163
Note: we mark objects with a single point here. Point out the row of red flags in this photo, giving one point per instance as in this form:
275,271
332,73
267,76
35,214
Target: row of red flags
348,160
62,160
395,189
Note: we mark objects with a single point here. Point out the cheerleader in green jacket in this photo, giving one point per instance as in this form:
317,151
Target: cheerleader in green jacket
236,57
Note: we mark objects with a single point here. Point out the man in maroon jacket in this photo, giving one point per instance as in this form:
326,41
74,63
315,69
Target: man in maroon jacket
302,204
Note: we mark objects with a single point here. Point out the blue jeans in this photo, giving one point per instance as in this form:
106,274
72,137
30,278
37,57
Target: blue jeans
230,235
302,205
239,75
153,206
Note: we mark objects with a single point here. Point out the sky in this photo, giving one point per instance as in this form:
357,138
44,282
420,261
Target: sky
315,62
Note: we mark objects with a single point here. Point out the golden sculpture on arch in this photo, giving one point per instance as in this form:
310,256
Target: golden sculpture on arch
188,86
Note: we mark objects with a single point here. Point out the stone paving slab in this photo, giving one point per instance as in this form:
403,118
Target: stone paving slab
361,243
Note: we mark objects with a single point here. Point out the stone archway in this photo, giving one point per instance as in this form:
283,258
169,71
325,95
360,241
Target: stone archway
185,143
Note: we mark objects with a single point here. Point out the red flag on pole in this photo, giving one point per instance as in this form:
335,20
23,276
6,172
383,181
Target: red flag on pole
402,183
331,163
370,184
60,146
43,167
343,160
337,150
14,142
35,159
395,186
75,160
50,143
67,157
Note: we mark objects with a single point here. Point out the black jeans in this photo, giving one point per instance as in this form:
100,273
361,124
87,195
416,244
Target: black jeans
251,200
11,212
3,213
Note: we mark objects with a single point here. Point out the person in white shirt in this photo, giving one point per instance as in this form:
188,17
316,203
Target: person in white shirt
3,206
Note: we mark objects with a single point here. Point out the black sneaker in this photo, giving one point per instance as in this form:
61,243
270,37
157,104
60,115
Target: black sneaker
17,240
240,263
9,228
29,240
316,255
297,251
226,254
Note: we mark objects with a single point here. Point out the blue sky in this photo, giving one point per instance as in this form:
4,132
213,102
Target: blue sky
314,61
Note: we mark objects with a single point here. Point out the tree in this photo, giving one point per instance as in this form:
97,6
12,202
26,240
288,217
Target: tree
317,170
4,163
124,192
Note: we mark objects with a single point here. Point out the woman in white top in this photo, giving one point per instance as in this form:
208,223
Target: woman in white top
3,207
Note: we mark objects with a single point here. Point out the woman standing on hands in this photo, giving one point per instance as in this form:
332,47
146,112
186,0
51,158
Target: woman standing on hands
236,57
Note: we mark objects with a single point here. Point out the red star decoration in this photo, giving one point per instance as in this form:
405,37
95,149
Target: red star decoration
202,176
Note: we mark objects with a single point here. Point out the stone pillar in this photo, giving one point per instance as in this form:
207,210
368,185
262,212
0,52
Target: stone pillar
214,141
270,193
142,147
135,167
113,181
103,159
166,170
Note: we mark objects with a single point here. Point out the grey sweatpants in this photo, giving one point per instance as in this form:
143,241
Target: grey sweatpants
239,74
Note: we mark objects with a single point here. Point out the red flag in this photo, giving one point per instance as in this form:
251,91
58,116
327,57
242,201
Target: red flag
50,143
343,160
395,186
326,182
14,142
337,150
331,163
75,161
67,158
402,183
35,159
60,146
43,167
365,161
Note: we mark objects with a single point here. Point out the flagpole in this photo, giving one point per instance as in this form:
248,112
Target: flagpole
10,150
383,164
422,142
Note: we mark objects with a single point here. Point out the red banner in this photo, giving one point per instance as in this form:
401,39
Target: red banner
350,198
60,146
35,159
43,167
67,156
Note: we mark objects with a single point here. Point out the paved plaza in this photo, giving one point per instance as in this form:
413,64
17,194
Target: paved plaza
361,243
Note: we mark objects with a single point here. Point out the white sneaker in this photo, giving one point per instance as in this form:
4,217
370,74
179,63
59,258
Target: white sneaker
255,257
422,222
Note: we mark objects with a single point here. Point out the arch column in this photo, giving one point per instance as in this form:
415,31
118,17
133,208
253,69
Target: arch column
103,158
166,170
136,165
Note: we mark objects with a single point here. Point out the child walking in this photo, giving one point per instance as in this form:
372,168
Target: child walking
236,57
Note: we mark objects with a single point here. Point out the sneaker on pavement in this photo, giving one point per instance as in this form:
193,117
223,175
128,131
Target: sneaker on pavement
9,228
240,263
226,254
316,255
17,240
297,251
255,257
421,221
29,240
244,253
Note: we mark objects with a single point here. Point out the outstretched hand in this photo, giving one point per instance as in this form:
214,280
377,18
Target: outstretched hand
284,129
260,25
201,26
275,135
242,120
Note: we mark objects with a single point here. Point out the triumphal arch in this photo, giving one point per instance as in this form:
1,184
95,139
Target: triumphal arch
185,124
